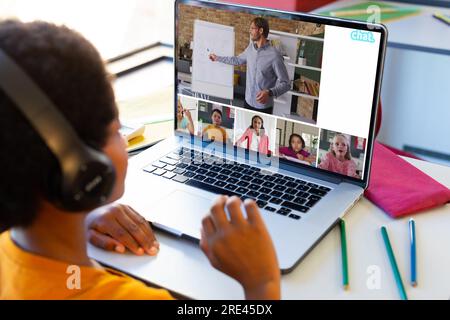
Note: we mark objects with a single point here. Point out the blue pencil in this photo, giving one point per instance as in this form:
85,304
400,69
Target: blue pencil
412,239
390,252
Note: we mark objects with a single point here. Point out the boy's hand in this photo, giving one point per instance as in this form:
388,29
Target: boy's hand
117,227
241,247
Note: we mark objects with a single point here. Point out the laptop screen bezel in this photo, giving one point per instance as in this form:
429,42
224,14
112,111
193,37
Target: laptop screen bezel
286,164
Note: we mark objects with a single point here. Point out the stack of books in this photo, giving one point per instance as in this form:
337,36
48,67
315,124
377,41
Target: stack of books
307,86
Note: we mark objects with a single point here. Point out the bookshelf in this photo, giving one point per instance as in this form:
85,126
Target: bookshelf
299,94
300,71
304,67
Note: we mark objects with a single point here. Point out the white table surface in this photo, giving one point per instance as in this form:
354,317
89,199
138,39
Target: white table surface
181,266
420,32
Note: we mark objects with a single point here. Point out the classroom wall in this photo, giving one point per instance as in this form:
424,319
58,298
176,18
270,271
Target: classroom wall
416,102
240,21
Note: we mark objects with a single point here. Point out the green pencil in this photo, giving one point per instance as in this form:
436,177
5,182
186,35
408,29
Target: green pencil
390,252
344,256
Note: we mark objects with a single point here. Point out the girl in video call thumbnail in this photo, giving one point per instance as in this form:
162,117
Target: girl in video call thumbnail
254,137
339,159
184,119
296,149
214,131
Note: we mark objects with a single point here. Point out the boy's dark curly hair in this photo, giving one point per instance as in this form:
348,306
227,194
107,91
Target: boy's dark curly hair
71,72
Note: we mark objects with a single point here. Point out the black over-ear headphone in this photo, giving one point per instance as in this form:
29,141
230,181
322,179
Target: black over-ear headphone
87,176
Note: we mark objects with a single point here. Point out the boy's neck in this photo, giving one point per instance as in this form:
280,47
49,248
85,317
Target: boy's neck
55,234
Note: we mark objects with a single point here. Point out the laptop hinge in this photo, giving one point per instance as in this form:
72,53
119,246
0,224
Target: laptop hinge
310,172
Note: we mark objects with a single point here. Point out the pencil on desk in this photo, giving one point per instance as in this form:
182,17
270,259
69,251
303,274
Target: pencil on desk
344,255
390,252
412,239
442,17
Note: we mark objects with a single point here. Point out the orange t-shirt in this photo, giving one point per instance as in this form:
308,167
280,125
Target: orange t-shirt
24,275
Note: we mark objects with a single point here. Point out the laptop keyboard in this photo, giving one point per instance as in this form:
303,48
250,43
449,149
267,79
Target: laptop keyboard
273,192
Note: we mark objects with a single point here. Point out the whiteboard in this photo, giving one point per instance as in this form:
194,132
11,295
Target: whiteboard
208,77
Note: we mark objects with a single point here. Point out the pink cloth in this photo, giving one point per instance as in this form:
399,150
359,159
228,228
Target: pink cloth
291,153
331,163
263,146
399,188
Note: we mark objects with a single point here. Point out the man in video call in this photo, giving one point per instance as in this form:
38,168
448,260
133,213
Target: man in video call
267,76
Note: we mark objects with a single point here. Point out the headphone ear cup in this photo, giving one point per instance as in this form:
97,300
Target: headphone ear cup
89,184
84,187
53,184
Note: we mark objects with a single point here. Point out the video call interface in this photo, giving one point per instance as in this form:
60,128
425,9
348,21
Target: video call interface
292,89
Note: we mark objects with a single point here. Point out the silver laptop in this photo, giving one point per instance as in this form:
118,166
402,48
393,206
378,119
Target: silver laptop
274,106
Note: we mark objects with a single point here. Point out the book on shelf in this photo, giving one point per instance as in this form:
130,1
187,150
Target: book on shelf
307,86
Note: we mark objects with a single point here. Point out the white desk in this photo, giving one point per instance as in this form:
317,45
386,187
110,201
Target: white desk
181,266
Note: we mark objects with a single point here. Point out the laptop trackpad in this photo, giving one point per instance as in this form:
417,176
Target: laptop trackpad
181,213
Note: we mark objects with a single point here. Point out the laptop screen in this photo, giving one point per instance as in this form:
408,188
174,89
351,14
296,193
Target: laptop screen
297,87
